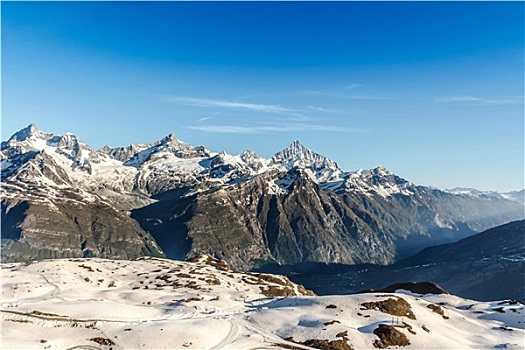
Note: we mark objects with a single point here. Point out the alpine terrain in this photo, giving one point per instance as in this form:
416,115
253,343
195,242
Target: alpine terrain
487,266
61,198
153,303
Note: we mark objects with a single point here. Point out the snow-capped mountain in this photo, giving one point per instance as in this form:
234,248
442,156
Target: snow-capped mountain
516,195
30,141
513,195
150,169
295,207
297,155
472,192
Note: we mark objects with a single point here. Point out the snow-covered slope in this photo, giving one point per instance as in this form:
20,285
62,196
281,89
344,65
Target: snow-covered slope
164,304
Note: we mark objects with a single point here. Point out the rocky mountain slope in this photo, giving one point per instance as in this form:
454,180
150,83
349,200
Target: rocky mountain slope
153,303
61,198
487,266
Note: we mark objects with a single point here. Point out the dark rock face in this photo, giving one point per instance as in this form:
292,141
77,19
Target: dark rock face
249,227
32,231
414,287
505,241
487,266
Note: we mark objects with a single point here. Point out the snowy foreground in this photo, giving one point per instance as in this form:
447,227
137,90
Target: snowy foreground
164,304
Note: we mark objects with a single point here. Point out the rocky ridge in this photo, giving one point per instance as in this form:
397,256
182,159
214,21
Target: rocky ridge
181,200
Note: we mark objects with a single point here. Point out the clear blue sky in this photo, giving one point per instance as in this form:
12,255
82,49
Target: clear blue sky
431,90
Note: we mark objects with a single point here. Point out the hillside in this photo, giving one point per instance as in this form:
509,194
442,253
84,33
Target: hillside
156,303
486,266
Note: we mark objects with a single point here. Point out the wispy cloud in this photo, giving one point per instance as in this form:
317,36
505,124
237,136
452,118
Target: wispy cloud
204,118
353,86
459,98
193,101
480,101
345,95
372,97
321,109
262,129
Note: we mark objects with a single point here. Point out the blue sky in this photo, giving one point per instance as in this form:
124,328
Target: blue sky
431,90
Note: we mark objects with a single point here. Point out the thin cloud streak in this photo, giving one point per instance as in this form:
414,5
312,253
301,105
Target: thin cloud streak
321,109
369,97
480,101
193,101
353,86
345,95
235,129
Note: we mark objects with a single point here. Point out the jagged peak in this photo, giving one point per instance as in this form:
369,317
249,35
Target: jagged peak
384,177
297,143
32,127
298,154
70,140
170,139
248,153
378,171
30,131
295,151
381,170
105,149
298,146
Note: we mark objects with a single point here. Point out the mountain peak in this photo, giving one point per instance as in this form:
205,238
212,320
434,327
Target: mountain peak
171,139
32,127
172,136
297,145
298,154
29,131
381,170
296,150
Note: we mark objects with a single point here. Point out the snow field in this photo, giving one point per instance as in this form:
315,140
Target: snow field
164,304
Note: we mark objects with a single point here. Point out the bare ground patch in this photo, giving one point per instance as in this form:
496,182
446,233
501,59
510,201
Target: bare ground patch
389,336
395,307
438,310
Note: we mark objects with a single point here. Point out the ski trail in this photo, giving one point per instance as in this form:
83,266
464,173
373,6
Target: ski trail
233,333
52,294
271,338
84,347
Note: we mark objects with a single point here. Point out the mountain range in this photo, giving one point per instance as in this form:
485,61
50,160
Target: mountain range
61,198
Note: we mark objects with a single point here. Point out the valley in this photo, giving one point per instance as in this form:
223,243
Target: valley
487,266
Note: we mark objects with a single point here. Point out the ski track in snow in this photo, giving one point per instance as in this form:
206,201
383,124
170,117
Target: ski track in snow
230,337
